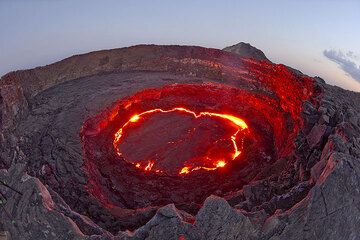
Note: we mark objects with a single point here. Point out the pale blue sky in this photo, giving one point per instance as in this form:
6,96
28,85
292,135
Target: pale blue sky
295,33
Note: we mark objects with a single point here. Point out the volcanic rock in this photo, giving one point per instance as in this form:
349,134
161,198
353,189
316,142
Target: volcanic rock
297,177
247,51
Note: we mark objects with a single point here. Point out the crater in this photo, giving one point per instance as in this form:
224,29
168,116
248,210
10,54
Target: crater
153,147
156,125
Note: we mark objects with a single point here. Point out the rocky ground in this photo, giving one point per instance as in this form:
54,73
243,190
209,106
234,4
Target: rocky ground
311,189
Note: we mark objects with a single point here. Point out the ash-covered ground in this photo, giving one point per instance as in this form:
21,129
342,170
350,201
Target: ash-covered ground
297,178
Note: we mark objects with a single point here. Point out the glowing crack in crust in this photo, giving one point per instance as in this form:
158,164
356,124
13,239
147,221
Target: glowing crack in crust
185,170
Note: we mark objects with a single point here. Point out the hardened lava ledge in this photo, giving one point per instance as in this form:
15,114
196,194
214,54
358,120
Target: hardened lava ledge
296,175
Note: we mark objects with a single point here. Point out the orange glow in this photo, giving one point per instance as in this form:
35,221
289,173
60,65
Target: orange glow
240,124
134,118
236,152
220,164
149,166
184,170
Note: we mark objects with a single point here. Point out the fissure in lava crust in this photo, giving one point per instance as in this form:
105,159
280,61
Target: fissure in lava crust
166,147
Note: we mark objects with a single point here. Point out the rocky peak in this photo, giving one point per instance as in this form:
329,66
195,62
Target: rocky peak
246,50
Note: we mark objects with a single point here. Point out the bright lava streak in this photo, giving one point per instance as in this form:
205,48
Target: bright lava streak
185,170
220,164
149,166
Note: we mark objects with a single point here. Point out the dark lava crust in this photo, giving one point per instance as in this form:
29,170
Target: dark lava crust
296,178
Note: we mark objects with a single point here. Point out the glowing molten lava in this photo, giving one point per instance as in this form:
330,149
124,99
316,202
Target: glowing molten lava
220,164
149,166
238,123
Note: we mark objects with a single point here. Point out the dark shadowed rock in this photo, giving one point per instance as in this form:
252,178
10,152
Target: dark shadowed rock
34,214
217,220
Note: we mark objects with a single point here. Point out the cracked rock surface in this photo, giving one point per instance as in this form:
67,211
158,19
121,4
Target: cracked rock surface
311,192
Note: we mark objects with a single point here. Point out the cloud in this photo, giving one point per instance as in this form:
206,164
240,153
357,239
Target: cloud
351,55
346,61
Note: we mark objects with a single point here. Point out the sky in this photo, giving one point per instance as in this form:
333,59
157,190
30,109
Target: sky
319,37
